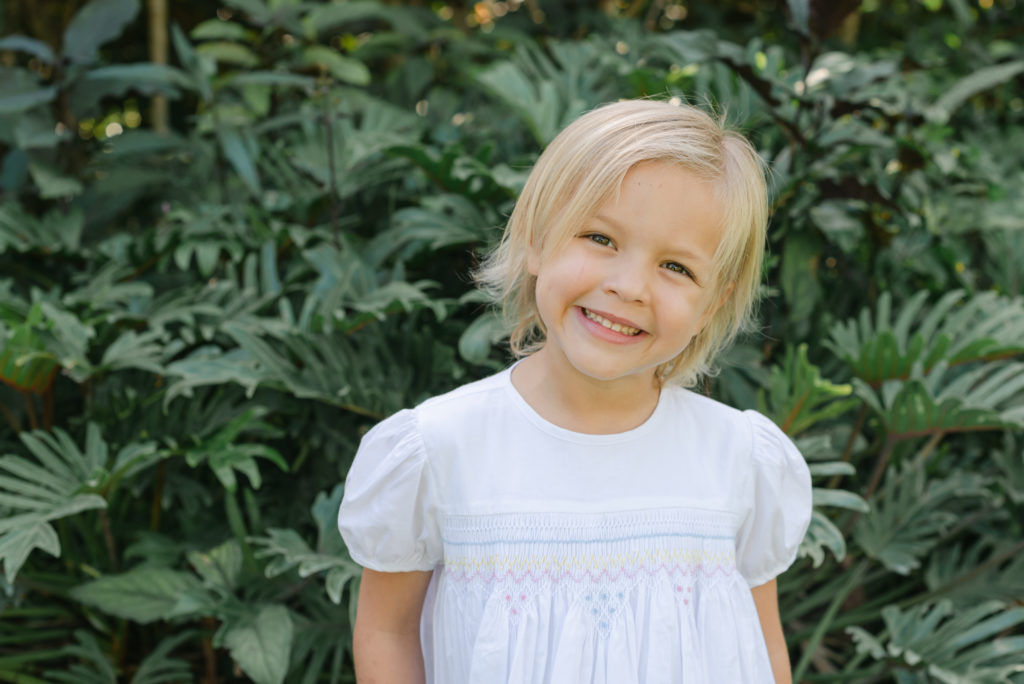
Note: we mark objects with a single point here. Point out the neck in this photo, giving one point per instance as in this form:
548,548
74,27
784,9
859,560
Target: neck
581,403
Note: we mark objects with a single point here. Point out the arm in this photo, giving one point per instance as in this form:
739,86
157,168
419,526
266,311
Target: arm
386,636
766,598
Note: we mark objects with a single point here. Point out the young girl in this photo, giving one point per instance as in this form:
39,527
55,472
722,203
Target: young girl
581,516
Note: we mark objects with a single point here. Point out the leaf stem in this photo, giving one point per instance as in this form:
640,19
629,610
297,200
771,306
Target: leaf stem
331,169
880,466
31,408
848,449
108,537
11,419
827,619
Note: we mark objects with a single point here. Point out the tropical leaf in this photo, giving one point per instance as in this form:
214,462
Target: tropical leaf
345,69
910,514
986,397
972,84
225,454
229,53
1010,461
985,326
260,642
798,397
984,570
54,485
36,48
363,130
220,566
326,18
822,533
96,24
158,668
93,665
218,29
953,646
546,93
145,594
144,77
287,550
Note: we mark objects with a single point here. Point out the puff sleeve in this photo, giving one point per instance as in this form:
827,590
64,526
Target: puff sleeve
779,510
389,513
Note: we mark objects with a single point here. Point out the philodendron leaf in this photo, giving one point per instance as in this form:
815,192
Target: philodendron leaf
16,544
883,344
822,534
159,668
144,594
52,485
798,397
971,643
90,664
261,644
220,566
97,23
479,338
910,513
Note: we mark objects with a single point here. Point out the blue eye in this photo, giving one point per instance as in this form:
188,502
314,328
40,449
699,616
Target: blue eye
600,239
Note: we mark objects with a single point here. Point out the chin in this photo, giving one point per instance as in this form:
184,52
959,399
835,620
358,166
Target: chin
609,373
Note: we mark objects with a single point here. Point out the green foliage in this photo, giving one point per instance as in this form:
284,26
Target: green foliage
197,325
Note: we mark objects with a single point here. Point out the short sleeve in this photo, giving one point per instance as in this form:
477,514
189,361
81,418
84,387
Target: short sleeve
388,516
780,508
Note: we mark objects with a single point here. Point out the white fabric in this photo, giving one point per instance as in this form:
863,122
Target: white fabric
562,557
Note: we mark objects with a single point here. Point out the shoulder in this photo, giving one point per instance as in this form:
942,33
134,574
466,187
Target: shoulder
468,409
716,423
465,396
749,435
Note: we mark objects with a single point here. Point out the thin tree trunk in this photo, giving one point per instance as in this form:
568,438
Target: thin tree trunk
158,55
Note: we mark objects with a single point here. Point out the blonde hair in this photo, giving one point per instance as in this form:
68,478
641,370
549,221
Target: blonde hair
584,166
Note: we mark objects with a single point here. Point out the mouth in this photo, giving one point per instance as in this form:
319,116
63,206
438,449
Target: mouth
611,325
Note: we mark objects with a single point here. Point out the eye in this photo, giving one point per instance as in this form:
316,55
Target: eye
677,267
599,238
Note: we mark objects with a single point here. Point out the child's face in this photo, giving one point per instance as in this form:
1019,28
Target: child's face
630,290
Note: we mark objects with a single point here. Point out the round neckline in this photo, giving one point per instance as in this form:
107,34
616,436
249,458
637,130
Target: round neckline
539,421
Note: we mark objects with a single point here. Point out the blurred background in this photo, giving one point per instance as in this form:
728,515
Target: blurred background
234,235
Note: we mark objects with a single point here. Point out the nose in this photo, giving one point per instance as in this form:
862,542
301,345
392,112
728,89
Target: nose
627,281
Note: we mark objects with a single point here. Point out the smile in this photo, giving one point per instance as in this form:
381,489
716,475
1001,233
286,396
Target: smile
615,327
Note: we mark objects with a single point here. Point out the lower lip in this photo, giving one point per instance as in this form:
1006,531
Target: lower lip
606,334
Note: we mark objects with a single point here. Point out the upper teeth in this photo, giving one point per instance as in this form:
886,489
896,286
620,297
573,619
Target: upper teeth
617,327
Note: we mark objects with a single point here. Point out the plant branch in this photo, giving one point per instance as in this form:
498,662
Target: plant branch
9,416
809,648
848,449
108,538
788,422
880,465
31,408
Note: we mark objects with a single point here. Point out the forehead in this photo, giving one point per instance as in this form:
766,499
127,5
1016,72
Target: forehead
655,200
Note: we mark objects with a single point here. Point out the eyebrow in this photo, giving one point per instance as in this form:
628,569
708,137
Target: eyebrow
681,251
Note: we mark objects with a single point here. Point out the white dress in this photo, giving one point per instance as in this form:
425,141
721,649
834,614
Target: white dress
562,557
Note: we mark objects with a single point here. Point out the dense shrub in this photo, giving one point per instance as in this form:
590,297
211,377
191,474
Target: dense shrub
197,325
